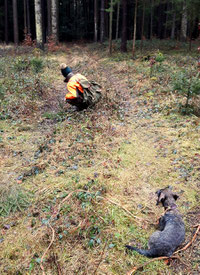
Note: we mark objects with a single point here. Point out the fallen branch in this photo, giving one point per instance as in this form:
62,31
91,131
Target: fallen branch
190,243
52,240
126,210
101,257
136,268
56,212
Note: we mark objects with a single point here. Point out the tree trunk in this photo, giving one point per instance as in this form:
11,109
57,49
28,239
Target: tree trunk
184,22
25,18
102,26
6,20
160,19
151,21
135,28
48,18
38,24
124,26
28,18
95,20
15,22
43,21
110,26
173,25
166,21
142,27
54,19
117,23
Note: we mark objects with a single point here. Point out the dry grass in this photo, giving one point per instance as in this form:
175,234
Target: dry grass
109,152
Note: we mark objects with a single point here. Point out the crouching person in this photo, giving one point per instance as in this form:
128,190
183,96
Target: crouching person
81,92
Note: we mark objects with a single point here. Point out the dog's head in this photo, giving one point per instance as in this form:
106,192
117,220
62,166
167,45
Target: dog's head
166,197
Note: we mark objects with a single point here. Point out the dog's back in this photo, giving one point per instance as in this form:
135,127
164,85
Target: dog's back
171,234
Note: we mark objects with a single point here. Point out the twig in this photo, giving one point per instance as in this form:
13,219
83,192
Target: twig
52,240
101,257
136,268
193,239
133,270
57,212
57,264
126,210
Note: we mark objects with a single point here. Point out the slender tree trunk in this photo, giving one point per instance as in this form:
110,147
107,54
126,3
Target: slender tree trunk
117,23
15,22
6,20
160,18
43,21
25,18
173,25
54,21
124,26
28,18
102,26
38,24
107,18
110,26
135,28
48,18
184,22
95,21
151,21
166,21
142,27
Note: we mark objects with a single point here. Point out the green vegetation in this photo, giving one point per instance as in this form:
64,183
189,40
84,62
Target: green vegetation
74,175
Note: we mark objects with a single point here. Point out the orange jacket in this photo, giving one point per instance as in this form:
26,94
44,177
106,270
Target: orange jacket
74,84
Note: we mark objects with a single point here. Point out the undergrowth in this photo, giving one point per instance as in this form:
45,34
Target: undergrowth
86,169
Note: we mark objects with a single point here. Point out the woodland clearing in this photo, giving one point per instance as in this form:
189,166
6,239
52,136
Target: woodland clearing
67,178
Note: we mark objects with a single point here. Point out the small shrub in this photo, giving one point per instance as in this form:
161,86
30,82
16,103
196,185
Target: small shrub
159,57
2,92
21,64
36,65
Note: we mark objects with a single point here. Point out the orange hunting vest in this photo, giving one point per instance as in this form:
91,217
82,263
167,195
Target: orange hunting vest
74,84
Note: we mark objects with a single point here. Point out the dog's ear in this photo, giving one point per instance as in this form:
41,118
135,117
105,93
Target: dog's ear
161,197
175,196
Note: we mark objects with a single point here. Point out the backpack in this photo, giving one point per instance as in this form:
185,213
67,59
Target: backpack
92,91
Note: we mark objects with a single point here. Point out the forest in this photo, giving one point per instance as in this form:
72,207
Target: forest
80,184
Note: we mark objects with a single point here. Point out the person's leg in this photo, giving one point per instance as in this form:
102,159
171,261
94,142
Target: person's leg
78,102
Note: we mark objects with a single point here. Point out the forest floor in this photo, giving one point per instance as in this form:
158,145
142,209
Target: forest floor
85,182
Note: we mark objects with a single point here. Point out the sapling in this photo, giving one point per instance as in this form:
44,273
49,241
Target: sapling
187,83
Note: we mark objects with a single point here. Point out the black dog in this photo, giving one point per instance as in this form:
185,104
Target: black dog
171,228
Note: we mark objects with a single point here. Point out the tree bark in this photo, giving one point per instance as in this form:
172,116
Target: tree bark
124,26
102,26
184,22
28,17
15,22
117,23
38,24
48,18
167,16
135,28
151,21
142,27
95,21
6,20
25,18
54,21
160,19
173,22
110,26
